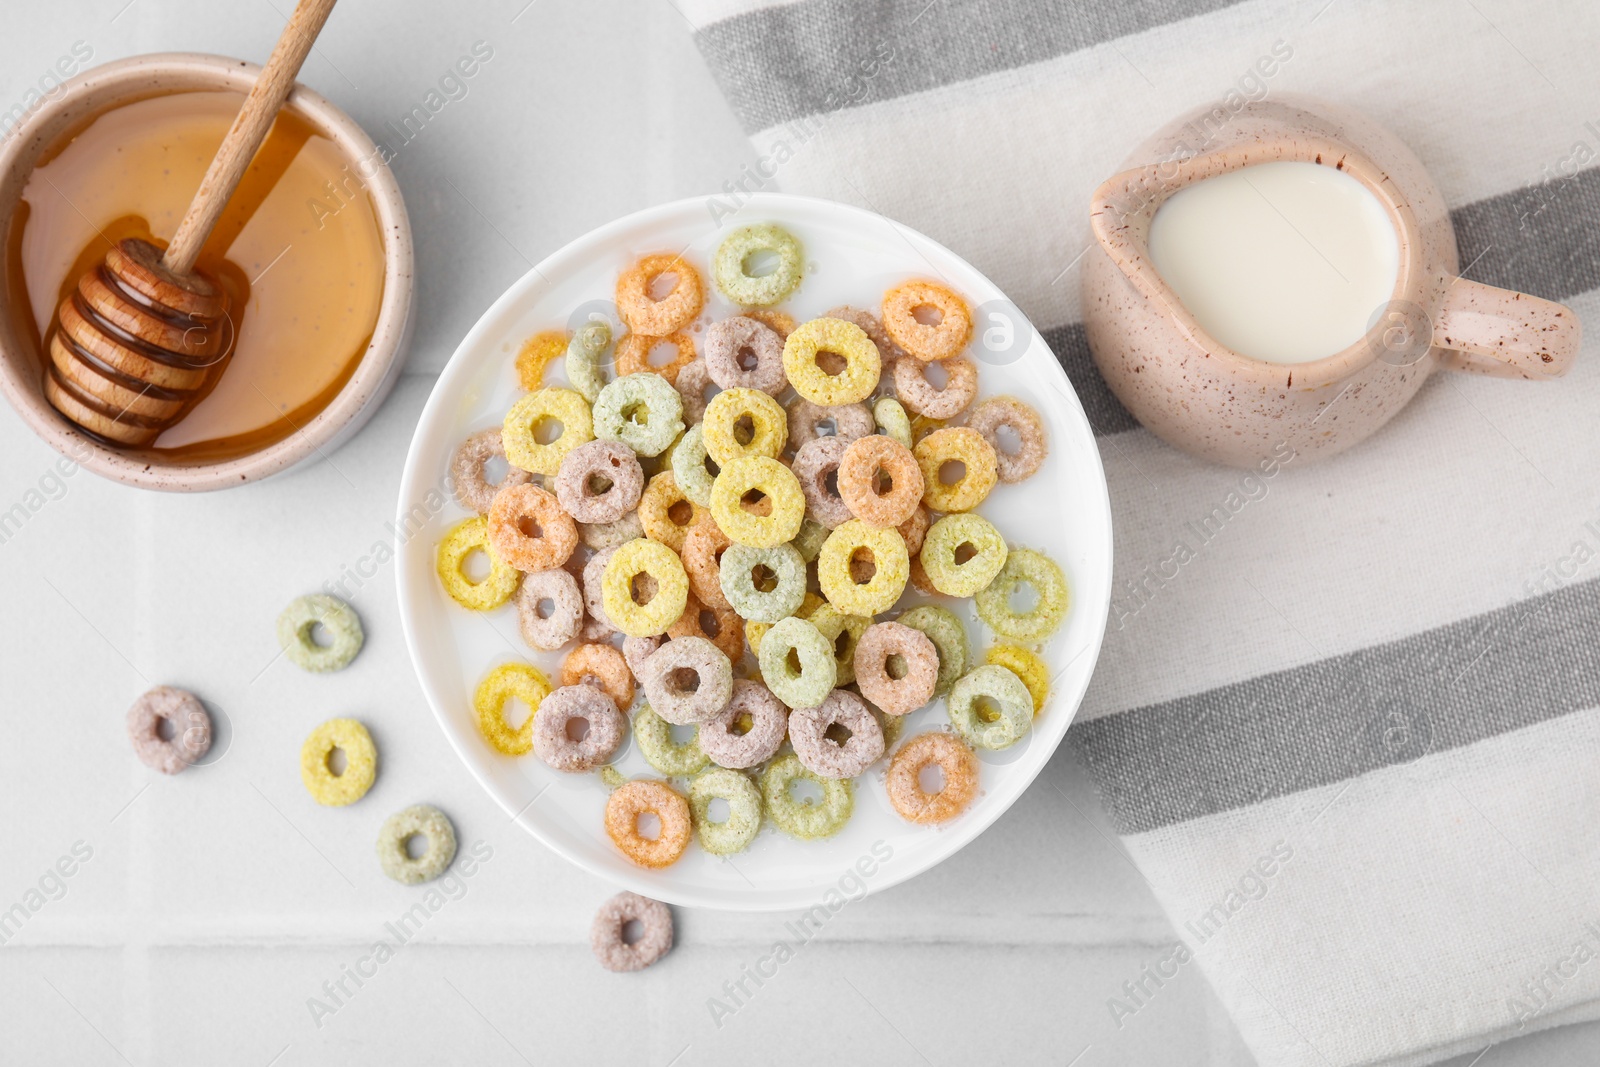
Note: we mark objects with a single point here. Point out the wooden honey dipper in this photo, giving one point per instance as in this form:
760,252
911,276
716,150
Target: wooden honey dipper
145,334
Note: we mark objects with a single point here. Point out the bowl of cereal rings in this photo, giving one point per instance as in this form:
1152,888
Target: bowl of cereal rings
740,556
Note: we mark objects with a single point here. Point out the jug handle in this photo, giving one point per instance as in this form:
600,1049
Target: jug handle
1503,333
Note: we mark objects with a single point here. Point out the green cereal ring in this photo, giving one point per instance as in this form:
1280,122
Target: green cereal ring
734,833
423,820
769,425
1038,570
891,419
785,504
1006,694
523,449
805,819
465,538
786,571
361,763
947,635
339,619
669,757
853,383
728,268
521,680
809,540
689,468
584,351
941,550
618,598
818,673
836,573
843,633
643,411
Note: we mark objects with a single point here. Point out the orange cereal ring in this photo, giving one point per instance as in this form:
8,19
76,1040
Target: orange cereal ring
645,797
529,530
1007,412
940,340
659,318
633,355
537,353
880,481
940,453
726,630
703,547
922,397
601,666
665,513
904,780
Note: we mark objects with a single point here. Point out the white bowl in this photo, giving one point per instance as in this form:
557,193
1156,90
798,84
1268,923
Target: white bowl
853,256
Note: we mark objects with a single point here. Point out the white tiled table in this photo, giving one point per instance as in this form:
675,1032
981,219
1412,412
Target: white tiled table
216,904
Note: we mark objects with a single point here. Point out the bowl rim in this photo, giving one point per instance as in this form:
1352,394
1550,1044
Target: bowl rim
119,82
408,590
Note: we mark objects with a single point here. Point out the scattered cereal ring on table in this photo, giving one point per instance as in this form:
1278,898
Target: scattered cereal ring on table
922,397
190,723
726,416
552,728
606,939
643,411
599,482
904,782
474,491
913,687
692,383
945,544
785,504
361,763
585,351
1024,565
880,481
761,716
419,820
703,548
733,341
687,680
805,819
1001,692
548,628
603,535
810,683
890,417
653,316
808,732
516,510
465,538
1007,412
640,797
517,435
536,354
735,832
885,549
296,633
603,667
675,759
949,637
634,351
816,467
630,561
523,681
729,268
763,584
808,421
946,449
1026,665
941,339
720,625
666,512
689,468
854,382
844,632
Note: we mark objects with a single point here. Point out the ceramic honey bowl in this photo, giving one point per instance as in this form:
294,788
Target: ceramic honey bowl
1287,276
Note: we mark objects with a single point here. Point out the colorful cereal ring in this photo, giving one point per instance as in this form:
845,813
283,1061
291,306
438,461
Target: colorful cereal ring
880,481
465,538
1005,693
785,505
854,382
615,952
808,732
1027,665
473,491
667,685
955,445
675,759
725,416
948,635
764,290
943,548
1007,412
779,566
518,508
689,468
844,633
890,417
657,318
552,726
361,763
599,482
585,352
810,684
940,340
523,450
904,781
523,681
1039,571
419,820
734,833
339,620
891,566
536,354
643,411
666,513
633,355
731,341
619,597
644,797
804,819
929,401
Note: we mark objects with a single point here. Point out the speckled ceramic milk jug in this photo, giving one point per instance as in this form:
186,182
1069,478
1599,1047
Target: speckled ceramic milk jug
1212,401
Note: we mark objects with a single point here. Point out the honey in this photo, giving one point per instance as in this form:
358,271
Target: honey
299,250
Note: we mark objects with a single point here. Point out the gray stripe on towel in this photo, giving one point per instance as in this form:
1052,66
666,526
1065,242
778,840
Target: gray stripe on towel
1328,721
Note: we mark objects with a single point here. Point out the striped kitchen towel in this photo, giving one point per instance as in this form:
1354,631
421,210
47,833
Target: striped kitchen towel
1347,715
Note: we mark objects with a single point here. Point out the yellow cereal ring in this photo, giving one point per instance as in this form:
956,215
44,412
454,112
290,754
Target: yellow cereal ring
560,405
665,605
521,680
891,566
666,513
767,523
537,353
361,763
955,444
720,429
1026,665
462,541
853,383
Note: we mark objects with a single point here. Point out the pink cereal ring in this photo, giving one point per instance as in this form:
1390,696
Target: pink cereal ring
553,741
191,729
654,941
768,720
808,732
875,652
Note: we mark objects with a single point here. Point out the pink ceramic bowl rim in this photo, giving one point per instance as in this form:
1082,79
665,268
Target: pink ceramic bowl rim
139,77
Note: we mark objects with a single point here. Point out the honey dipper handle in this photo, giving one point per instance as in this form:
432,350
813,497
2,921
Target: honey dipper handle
249,129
